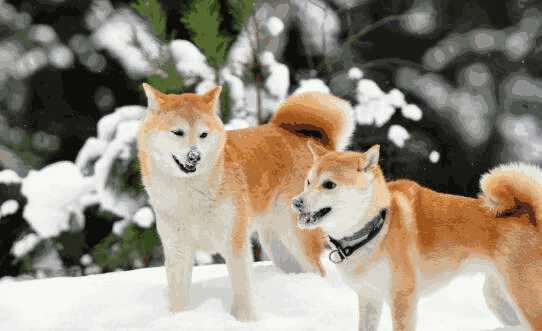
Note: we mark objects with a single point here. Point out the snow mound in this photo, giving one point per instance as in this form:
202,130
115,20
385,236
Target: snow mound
136,300
9,176
54,194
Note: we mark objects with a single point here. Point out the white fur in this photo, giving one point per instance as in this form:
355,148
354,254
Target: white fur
533,172
345,136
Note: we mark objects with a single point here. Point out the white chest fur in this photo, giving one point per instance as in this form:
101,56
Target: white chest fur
374,281
188,210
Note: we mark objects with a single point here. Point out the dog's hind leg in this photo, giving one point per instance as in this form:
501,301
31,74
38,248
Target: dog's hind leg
277,252
498,302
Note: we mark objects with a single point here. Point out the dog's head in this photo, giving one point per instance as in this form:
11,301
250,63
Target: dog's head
182,135
338,189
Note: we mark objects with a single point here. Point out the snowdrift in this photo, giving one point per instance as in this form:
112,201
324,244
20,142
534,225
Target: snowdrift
136,300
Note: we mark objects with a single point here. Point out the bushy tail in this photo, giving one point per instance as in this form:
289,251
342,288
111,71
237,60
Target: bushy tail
514,189
325,117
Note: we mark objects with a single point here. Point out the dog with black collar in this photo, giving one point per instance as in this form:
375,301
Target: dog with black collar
395,241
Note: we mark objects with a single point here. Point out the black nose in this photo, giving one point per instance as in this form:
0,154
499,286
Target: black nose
193,156
298,203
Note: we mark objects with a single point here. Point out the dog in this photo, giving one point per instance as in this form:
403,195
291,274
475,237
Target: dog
211,188
393,242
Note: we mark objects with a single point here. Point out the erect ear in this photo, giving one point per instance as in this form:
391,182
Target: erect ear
212,97
154,97
317,150
370,158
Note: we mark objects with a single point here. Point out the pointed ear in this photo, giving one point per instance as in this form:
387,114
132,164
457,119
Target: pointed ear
370,158
317,150
212,97
153,97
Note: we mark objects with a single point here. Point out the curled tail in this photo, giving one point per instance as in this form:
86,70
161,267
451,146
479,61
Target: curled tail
514,189
324,117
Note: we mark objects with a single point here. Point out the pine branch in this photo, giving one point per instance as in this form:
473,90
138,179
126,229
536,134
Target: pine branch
240,11
153,12
203,21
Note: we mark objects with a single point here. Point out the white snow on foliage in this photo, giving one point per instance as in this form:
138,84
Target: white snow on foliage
412,112
144,217
126,37
319,25
54,194
237,124
274,26
136,300
86,259
190,61
25,245
312,85
398,135
434,156
9,176
107,125
9,207
278,79
355,73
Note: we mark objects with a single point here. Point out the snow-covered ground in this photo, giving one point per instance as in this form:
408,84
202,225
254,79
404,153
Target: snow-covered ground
135,300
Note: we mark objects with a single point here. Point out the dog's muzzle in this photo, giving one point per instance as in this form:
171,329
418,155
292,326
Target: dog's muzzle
192,159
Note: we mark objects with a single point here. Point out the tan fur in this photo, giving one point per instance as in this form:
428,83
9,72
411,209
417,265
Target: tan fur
430,236
255,174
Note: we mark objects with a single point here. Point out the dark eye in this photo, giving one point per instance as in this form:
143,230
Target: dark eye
329,185
178,133
203,135
308,182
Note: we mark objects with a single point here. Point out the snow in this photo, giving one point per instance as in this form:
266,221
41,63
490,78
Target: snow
319,24
54,194
376,111
434,156
120,226
236,90
412,112
144,217
91,150
274,26
237,124
25,245
126,37
277,82
190,61
136,300
311,85
9,177
86,260
355,73
61,56
396,98
9,207
368,90
107,125
398,135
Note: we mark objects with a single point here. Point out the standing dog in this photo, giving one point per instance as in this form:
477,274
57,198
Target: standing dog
396,241
211,188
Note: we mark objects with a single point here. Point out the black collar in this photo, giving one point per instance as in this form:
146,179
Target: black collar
348,245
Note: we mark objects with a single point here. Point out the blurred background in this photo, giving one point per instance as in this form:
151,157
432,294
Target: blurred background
449,88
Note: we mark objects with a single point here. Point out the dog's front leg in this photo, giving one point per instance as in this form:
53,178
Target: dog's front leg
239,262
178,254
369,312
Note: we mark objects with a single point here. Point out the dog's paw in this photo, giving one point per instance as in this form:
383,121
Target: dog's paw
244,314
176,306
